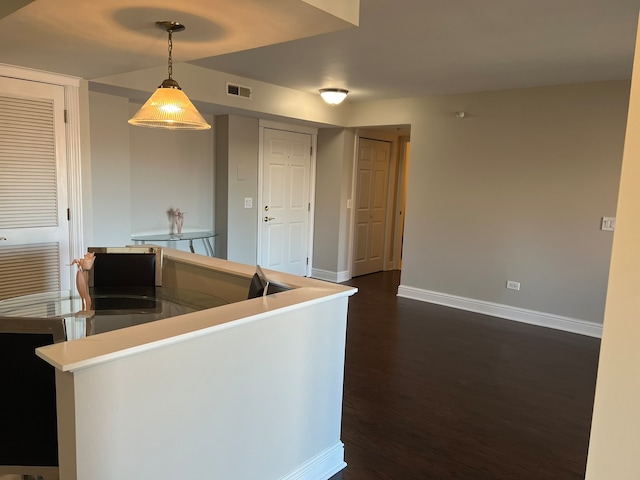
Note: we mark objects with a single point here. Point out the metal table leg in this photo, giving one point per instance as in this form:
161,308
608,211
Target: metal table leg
207,246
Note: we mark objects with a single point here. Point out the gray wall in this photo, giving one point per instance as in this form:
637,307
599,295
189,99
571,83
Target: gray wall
515,191
237,178
110,171
346,181
334,171
221,126
171,169
138,174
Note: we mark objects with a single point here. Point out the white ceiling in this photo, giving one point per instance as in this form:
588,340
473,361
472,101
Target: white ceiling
98,38
402,48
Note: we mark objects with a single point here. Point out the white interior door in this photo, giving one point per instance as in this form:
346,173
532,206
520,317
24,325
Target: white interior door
371,206
34,231
284,215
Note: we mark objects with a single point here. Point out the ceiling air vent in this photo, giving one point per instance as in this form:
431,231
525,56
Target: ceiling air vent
238,91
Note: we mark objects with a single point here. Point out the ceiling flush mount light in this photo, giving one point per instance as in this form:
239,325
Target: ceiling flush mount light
169,107
333,96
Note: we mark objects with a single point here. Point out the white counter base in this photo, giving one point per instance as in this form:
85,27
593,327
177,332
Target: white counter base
247,391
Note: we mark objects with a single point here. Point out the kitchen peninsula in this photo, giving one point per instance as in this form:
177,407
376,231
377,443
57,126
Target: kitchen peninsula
247,390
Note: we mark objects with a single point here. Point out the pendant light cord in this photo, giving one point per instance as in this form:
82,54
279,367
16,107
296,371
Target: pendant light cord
170,59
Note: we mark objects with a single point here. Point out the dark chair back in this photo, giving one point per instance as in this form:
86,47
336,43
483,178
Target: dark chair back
121,272
260,285
29,439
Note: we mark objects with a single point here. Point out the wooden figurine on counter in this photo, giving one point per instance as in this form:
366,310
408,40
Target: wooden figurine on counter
82,278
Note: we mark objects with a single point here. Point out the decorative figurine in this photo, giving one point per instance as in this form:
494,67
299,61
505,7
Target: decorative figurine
82,278
178,219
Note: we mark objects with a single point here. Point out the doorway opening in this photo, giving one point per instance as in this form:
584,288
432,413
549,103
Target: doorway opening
381,166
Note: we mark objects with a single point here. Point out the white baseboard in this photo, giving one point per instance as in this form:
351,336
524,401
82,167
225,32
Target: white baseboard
532,317
335,277
321,467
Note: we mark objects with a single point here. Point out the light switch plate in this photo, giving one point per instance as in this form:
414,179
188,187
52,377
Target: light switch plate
608,224
248,202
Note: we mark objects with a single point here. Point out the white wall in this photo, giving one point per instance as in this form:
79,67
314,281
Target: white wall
615,439
254,402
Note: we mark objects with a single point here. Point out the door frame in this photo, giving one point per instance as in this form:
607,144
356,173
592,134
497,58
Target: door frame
392,187
313,132
73,149
401,199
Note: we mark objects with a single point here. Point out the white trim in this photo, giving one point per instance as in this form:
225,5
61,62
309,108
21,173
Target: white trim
326,275
352,198
23,73
74,171
312,200
287,127
259,199
401,201
508,312
324,465
392,182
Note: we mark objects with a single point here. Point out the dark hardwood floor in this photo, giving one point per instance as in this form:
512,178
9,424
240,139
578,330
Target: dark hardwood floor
432,392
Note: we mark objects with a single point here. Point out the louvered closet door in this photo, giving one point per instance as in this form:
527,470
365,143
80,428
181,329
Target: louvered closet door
34,232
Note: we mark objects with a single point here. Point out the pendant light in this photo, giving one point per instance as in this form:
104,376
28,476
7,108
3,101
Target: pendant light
169,107
333,96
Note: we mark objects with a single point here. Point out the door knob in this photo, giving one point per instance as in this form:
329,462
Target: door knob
266,219
3,238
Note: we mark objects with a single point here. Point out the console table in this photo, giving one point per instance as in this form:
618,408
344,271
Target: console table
176,237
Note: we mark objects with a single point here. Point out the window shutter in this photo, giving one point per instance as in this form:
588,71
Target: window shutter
28,177
29,269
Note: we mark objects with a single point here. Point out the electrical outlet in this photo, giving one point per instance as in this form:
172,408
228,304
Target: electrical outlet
511,285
